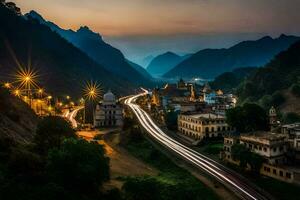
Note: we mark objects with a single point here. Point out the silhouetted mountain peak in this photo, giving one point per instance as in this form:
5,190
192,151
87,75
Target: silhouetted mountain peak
87,32
209,63
266,38
169,53
35,15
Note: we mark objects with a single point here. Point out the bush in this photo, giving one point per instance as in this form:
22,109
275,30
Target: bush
51,131
78,165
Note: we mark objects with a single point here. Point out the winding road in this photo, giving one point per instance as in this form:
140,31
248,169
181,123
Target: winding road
230,179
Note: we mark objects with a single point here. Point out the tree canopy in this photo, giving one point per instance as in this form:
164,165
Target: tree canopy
247,118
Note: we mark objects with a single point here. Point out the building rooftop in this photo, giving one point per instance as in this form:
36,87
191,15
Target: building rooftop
207,116
263,135
292,126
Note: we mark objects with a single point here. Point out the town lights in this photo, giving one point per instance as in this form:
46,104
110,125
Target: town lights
7,85
92,90
17,93
27,78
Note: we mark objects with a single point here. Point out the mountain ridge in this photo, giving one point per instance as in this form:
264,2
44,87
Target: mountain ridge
62,67
164,63
209,63
95,47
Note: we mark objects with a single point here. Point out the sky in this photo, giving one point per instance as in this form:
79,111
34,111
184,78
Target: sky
148,27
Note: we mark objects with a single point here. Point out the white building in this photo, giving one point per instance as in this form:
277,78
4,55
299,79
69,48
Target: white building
109,112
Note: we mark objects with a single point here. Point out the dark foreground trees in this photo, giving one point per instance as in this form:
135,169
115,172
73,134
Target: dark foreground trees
57,165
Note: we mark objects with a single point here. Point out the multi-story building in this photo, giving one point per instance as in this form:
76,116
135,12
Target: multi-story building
200,126
108,112
293,132
271,146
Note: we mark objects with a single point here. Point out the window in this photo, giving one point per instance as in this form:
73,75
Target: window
265,149
274,171
288,175
280,173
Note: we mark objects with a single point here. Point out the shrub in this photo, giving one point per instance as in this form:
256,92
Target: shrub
78,166
51,131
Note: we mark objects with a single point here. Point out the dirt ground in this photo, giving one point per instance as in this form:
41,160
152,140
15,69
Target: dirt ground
122,164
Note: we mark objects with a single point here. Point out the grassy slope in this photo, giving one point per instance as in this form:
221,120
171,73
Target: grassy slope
169,172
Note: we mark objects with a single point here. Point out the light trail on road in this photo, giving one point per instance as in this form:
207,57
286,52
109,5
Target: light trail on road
71,116
230,179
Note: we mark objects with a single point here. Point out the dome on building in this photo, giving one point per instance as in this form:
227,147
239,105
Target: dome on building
109,97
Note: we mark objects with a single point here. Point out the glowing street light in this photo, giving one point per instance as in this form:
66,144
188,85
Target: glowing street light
7,85
92,90
17,92
41,91
27,78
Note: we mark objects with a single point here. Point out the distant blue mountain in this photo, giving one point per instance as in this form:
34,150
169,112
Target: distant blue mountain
164,63
93,45
209,63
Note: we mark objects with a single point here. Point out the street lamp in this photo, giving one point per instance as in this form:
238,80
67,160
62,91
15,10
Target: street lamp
92,92
27,78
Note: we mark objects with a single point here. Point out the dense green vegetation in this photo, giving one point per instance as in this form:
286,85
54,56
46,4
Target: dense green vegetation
172,182
67,168
247,118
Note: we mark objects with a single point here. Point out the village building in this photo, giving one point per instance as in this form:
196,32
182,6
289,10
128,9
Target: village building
109,112
200,126
272,147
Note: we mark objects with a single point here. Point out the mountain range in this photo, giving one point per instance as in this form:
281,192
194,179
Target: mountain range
95,47
164,63
62,67
209,63
279,74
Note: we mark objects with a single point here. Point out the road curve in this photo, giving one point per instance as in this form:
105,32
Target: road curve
230,179
71,116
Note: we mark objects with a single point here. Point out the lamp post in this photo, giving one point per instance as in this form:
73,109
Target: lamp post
92,92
